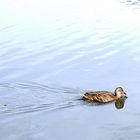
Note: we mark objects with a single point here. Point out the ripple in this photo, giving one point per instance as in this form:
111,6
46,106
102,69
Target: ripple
108,54
7,27
70,49
124,132
21,98
135,4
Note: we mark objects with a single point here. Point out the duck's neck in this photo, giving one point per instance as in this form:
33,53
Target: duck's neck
116,97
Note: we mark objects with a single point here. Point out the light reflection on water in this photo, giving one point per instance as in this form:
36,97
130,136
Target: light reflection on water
48,46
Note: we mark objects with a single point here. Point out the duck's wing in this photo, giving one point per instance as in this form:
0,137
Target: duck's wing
103,97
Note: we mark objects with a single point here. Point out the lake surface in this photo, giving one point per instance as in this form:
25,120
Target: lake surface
53,50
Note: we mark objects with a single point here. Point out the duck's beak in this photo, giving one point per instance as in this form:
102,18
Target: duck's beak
124,95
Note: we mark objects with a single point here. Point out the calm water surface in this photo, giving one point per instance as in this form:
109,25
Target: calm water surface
51,51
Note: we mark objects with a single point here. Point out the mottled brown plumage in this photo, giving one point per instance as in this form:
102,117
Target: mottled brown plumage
104,96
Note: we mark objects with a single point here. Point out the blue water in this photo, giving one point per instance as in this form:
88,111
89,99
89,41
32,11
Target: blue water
51,51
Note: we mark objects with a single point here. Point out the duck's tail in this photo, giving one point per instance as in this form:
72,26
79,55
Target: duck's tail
82,94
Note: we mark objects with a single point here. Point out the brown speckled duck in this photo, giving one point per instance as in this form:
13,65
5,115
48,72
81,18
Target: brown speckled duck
104,96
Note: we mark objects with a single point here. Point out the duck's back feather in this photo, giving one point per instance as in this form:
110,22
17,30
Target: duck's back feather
99,96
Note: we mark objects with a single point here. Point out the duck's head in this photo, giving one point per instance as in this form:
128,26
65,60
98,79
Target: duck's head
119,92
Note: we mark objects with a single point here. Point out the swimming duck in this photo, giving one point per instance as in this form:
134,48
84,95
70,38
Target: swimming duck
104,96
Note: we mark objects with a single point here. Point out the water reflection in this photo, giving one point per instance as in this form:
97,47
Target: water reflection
119,104
87,44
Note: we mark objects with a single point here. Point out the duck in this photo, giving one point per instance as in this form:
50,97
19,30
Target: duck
104,96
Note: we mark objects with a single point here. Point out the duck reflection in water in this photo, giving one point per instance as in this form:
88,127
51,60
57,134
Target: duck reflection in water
119,104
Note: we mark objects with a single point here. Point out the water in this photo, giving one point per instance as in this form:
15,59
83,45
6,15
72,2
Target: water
51,51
